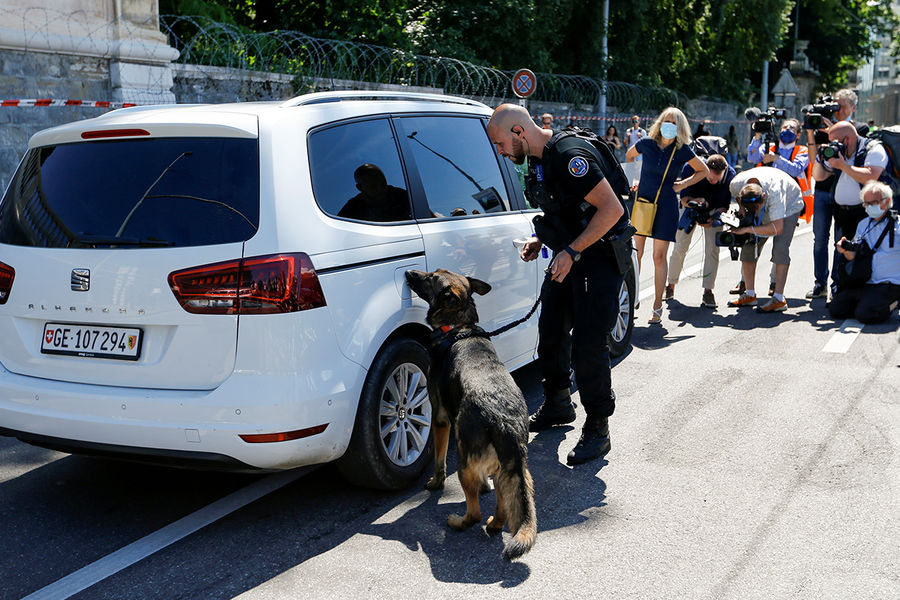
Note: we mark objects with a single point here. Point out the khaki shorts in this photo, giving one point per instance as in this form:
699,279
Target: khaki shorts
780,246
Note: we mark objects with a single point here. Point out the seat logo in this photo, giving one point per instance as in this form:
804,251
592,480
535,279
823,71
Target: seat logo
81,280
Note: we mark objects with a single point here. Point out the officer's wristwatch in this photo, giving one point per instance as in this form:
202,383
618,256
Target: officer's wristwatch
575,255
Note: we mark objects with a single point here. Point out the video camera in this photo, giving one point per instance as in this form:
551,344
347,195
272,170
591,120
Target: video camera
763,122
732,220
830,150
696,213
813,114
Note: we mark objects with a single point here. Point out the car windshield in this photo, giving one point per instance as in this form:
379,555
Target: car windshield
158,192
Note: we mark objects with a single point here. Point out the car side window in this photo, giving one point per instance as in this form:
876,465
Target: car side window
456,163
356,172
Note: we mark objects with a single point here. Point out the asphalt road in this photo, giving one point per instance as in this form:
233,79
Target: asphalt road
754,456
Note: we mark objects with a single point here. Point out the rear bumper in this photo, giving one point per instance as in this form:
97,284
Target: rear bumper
183,427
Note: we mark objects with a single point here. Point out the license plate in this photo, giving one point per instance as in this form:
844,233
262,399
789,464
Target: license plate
91,341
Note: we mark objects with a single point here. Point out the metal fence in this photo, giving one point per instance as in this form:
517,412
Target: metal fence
314,62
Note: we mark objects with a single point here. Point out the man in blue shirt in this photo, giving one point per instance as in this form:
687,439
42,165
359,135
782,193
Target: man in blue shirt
712,193
874,301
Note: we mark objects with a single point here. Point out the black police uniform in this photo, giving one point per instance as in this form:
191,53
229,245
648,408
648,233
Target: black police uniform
585,303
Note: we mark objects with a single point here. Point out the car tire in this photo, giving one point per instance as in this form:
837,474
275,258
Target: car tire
392,436
620,336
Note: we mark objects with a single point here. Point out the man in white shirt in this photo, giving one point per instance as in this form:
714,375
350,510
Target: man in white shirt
774,199
874,301
635,132
861,161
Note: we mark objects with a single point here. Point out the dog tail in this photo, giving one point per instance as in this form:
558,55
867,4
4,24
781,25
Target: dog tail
517,491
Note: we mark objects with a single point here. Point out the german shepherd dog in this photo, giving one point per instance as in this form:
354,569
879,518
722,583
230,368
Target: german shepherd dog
469,387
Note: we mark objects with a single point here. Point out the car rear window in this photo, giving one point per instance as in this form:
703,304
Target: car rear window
356,172
134,193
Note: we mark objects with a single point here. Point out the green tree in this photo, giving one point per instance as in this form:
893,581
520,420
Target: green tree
701,47
843,34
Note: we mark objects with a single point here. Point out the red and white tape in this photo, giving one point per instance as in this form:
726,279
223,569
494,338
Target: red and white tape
52,102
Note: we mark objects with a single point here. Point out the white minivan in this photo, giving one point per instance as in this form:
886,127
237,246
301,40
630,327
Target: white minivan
223,285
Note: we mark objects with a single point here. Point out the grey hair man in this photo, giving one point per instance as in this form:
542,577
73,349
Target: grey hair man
874,301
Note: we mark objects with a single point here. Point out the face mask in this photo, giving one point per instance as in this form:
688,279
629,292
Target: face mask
874,210
668,130
787,136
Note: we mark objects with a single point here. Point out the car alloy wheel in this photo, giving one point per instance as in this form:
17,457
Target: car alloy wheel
404,414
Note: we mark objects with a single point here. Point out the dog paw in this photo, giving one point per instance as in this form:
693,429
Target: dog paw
434,484
459,523
493,525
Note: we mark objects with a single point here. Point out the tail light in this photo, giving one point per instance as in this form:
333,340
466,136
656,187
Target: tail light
249,286
7,274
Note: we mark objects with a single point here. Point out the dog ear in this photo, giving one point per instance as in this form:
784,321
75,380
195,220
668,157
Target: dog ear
416,281
478,286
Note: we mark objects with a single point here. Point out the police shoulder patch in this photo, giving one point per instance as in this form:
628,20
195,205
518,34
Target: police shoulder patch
578,166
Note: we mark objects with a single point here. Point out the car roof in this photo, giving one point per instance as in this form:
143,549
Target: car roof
240,119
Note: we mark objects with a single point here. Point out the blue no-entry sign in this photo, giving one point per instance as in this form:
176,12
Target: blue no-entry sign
524,83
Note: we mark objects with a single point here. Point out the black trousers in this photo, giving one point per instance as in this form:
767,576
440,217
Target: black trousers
846,219
870,303
576,318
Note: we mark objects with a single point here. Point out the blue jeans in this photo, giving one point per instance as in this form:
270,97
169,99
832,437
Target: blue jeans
823,218
731,157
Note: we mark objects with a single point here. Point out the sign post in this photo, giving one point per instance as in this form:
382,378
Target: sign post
524,83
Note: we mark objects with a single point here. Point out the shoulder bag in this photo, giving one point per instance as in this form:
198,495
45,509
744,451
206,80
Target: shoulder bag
644,211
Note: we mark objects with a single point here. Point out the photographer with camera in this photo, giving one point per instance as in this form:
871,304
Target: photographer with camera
703,202
769,204
789,156
819,117
874,300
784,153
851,161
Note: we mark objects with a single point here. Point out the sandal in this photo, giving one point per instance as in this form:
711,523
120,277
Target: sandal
656,316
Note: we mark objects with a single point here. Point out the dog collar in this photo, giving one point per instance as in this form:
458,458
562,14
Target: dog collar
445,328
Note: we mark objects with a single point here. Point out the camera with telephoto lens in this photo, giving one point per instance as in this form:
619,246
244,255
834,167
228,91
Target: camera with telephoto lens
849,246
813,114
696,213
831,150
733,220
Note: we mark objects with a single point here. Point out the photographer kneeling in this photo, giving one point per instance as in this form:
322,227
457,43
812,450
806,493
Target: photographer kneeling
873,300
703,202
770,205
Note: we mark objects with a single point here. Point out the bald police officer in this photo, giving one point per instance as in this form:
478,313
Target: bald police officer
580,302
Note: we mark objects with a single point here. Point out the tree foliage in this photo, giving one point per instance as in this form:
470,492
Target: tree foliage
700,47
843,35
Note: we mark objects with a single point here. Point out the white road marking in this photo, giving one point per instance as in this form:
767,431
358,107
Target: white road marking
843,338
132,553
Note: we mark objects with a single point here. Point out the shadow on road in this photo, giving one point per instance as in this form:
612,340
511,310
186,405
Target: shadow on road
71,511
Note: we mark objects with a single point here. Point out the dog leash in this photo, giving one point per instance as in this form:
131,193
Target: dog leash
518,322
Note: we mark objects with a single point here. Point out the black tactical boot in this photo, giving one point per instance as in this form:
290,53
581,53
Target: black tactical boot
593,443
557,409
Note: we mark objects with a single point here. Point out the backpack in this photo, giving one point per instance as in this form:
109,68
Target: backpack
889,137
707,145
609,163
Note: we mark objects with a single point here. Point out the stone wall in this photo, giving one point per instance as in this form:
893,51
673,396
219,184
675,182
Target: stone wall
44,76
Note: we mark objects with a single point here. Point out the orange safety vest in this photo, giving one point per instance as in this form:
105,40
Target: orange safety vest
806,190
